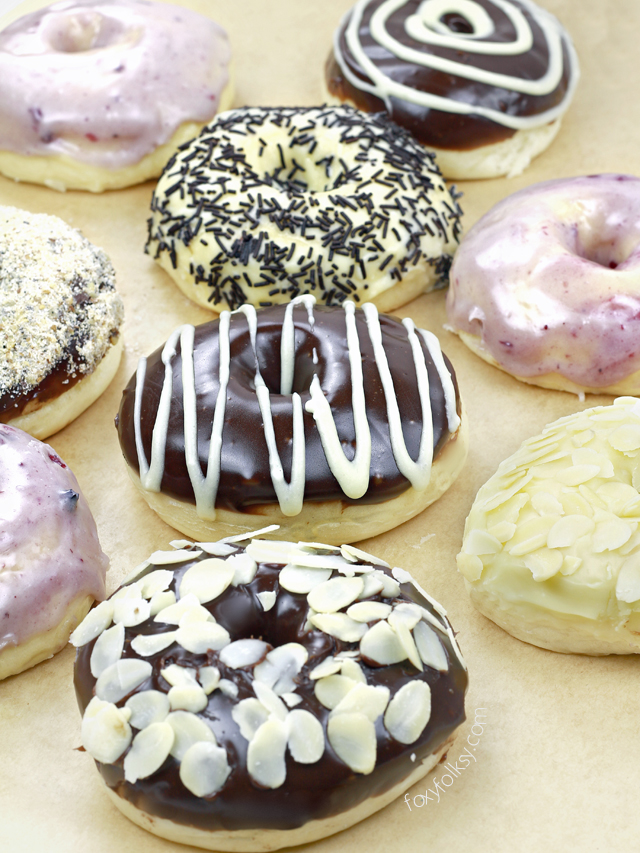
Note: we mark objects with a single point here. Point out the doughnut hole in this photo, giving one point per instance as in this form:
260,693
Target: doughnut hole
602,234
82,31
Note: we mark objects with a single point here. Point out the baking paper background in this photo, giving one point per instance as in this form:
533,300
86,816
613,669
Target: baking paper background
557,751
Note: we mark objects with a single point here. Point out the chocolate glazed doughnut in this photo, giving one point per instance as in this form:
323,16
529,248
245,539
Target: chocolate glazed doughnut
283,416
482,82
348,690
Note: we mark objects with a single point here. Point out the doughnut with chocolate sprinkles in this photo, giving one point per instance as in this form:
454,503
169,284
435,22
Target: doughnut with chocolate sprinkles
270,203
334,423
253,698
482,83
61,317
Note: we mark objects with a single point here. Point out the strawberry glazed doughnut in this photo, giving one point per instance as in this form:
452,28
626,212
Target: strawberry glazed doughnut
483,83
267,204
546,286
334,423
61,317
97,94
251,699
51,563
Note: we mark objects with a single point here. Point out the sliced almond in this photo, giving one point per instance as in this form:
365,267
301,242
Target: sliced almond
409,711
201,637
353,739
625,438
207,580
403,633
188,698
628,582
339,625
430,648
334,594
480,542
266,754
244,569
105,730
390,586
188,729
179,676
131,611
95,622
166,558
611,534
331,689
382,646
545,503
267,599
291,699
149,706
249,715
369,611
353,670
372,586
350,552
305,738
246,652
160,601
146,645
302,580
216,549
228,688
107,649
544,563
364,699
154,582
149,750
122,678
204,769
281,667
271,702
568,530
172,614
329,666
209,678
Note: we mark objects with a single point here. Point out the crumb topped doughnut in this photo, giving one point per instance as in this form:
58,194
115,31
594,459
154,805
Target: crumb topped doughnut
97,94
551,548
267,204
334,423
51,564
61,315
252,699
483,83
546,286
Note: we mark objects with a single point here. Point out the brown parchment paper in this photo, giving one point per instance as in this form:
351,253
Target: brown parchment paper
554,739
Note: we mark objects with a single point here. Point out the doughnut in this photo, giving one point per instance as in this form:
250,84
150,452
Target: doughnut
335,423
551,548
252,698
61,315
268,204
546,286
98,94
482,83
51,564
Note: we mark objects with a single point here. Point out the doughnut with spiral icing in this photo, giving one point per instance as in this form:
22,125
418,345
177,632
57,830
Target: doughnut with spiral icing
267,204
483,83
335,423
98,94
253,698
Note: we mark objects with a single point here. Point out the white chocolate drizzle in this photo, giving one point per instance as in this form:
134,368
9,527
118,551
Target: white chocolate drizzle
352,475
426,27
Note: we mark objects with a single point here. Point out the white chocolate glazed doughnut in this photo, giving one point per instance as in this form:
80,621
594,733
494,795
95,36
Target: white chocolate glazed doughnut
483,83
253,698
60,322
97,94
335,424
546,286
267,204
51,563
551,548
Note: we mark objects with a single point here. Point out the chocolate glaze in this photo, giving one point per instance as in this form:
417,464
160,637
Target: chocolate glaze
245,480
435,127
311,791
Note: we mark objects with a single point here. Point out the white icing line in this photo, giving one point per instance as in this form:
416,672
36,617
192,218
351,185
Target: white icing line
288,340
433,345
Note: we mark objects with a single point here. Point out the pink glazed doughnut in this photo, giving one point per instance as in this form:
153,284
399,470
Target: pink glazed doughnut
546,286
98,94
51,564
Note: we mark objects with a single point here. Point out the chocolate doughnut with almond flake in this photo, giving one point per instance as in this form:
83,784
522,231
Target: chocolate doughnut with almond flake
270,203
335,423
253,699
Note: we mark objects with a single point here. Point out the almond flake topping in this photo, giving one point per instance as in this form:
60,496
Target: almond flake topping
339,625
188,729
95,622
408,712
281,667
107,649
188,698
149,750
105,730
332,595
122,678
146,645
157,581
382,646
302,580
266,752
305,737
243,653
149,706
204,769
201,637
207,579
353,739
166,558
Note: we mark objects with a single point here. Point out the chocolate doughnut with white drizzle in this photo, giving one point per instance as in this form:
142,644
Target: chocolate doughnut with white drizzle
289,406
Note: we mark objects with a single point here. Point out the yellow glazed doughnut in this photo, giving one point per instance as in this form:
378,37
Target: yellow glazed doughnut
551,548
267,204
97,94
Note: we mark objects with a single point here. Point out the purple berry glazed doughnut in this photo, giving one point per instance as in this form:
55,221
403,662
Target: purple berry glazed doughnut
551,548
51,564
482,83
61,320
334,423
271,203
546,286
248,699
98,94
